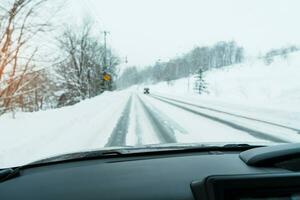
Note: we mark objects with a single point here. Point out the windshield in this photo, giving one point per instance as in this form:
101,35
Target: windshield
79,76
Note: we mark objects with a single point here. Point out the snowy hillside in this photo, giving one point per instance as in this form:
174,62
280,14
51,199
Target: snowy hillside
252,83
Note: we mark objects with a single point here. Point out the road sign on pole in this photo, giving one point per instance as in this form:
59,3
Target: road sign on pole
106,77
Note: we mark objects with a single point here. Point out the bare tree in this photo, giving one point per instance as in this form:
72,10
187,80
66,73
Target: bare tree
205,58
18,27
37,92
80,74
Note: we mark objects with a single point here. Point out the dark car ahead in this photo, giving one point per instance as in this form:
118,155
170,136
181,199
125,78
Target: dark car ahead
146,91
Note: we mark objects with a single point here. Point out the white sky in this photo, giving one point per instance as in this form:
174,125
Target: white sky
148,30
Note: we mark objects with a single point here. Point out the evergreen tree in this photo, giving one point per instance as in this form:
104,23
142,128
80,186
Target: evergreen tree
200,84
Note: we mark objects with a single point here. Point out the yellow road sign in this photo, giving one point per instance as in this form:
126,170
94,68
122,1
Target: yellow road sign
106,77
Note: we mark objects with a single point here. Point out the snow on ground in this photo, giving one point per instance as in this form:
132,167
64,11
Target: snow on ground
252,89
200,129
270,92
84,126
140,131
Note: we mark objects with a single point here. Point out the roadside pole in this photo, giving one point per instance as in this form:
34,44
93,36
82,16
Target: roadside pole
105,68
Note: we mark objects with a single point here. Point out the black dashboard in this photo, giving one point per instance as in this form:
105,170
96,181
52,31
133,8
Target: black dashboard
180,176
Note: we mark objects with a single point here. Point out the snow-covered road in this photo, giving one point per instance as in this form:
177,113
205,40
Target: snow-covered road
158,119
130,118
152,119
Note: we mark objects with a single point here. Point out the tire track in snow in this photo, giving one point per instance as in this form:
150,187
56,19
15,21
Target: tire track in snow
138,129
228,113
165,134
118,136
254,133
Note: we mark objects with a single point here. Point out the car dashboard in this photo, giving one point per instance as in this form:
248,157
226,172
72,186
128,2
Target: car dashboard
175,176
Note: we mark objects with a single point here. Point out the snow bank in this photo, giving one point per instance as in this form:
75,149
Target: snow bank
84,126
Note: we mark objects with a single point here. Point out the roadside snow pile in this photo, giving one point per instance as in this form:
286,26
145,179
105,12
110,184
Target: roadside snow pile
86,125
253,84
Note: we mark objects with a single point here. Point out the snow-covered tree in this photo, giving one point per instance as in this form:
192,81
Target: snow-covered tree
200,84
80,73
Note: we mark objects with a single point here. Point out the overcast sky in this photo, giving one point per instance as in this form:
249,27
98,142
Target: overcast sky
148,30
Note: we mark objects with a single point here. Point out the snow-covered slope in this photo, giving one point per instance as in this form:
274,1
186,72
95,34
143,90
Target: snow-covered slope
86,125
252,83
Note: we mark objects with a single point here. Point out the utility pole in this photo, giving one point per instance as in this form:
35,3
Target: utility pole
106,77
105,49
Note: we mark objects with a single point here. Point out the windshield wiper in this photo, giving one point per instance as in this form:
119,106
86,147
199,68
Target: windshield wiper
6,174
142,150
80,156
242,145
